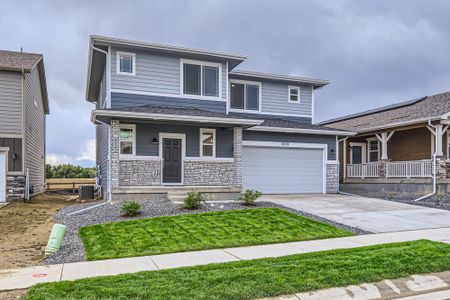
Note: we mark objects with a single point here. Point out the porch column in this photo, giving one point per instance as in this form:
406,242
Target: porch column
237,154
384,138
114,144
438,131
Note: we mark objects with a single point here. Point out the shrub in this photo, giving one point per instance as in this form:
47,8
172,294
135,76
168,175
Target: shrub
249,197
131,209
193,200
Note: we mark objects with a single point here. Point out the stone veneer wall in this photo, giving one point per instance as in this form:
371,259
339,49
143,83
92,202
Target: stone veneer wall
237,153
332,184
209,172
139,172
15,187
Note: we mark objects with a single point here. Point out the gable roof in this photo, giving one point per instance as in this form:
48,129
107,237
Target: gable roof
18,61
405,113
252,75
22,61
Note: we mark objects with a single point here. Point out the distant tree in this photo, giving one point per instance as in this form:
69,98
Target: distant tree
68,171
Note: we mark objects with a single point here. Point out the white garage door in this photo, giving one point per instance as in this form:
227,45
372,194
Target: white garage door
283,170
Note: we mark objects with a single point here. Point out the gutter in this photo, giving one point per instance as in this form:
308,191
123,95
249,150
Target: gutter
301,130
169,117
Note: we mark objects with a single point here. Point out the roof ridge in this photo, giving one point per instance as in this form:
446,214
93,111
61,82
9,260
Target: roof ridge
373,111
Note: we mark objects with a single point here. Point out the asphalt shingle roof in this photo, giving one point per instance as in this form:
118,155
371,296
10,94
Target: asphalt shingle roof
12,60
427,107
270,121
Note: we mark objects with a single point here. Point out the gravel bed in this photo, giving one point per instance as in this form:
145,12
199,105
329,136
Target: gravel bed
442,201
72,247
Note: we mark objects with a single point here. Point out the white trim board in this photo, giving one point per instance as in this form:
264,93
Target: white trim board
300,130
4,152
169,135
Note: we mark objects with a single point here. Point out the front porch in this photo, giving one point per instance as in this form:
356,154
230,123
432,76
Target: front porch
396,156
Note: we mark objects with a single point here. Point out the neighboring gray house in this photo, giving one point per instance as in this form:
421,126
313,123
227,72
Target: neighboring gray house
169,119
23,107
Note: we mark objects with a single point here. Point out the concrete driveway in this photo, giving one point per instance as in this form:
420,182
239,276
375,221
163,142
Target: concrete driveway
370,214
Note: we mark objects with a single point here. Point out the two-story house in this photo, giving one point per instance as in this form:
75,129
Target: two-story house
171,118
23,107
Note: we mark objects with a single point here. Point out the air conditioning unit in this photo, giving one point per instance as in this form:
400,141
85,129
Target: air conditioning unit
86,192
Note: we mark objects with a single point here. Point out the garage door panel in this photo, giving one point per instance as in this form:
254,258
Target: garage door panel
283,170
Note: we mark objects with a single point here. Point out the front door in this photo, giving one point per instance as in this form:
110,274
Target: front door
3,176
357,154
172,160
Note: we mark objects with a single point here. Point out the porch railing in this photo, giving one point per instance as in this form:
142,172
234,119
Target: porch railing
408,169
363,170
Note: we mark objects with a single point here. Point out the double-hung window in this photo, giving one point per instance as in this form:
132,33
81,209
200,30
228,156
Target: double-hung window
126,63
201,79
207,142
245,95
373,149
294,94
127,140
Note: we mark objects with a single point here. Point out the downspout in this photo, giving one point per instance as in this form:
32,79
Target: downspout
343,165
96,205
434,166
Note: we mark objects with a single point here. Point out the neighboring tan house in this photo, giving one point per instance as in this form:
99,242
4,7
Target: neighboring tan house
396,147
23,107
173,119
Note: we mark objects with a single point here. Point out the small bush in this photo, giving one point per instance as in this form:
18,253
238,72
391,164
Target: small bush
193,200
131,209
249,197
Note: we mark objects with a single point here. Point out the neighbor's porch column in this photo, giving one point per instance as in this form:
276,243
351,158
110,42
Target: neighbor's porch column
114,144
384,138
438,131
237,154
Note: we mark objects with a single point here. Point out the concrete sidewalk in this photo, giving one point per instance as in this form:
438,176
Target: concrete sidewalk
26,277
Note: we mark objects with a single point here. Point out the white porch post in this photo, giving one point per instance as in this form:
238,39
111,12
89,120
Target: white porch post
384,138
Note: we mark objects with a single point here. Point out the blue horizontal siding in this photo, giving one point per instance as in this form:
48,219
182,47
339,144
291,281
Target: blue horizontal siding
122,100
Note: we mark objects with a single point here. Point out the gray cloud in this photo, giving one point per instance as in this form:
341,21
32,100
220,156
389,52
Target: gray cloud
373,52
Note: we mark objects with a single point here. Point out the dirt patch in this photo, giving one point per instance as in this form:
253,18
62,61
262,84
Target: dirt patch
10,295
25,228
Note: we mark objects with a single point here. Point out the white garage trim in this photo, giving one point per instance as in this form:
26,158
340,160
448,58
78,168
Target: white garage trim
324,148
4,168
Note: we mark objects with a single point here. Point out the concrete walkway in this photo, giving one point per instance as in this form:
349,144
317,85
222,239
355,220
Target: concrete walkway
370,214
26,277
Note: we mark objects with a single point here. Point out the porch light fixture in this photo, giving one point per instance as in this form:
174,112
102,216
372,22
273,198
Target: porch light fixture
155,140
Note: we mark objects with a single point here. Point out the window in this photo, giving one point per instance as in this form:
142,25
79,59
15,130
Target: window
373,150
127,140
126,63
201,79
244,96
294,94
207,142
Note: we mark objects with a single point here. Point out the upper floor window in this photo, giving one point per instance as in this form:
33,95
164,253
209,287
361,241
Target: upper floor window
294,94
201,78
373,149
126,63
207,142
127,140
245,95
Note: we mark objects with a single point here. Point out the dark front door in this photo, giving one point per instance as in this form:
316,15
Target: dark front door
172,160
356,154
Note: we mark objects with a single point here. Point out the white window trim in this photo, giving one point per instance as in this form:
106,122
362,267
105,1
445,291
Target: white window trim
368,149
245,82
298,93
133,127
208,130
133,55
201,64
363,150
182,137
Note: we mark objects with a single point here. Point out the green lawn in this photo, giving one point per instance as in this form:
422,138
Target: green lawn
201,231
262,277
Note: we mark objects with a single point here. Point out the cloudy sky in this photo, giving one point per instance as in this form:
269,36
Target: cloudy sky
373,52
